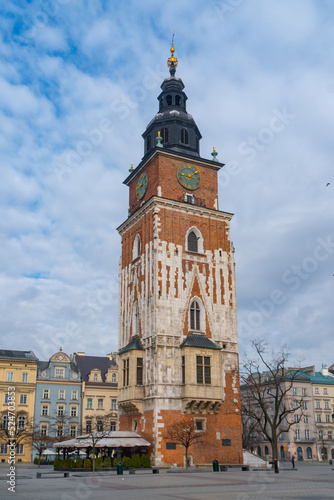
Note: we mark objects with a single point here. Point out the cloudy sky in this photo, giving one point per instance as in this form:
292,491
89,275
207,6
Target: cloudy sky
78,85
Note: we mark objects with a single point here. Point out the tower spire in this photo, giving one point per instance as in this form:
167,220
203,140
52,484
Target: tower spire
172,61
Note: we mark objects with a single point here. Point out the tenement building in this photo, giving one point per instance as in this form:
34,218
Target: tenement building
178,353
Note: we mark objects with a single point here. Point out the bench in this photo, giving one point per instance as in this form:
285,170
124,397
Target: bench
52,473
155,470
223,468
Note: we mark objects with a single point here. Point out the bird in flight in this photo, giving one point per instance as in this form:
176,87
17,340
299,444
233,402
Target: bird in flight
328,183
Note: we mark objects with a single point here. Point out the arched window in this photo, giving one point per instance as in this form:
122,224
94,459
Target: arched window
266,450
148,142
135,319
169,100
184,136
259,451
136,247
192,242
177,100
95,377
113,377
309,453
164,135
195,316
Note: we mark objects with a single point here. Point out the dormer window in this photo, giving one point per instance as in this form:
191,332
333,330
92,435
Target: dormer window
95,377
169,100
164,135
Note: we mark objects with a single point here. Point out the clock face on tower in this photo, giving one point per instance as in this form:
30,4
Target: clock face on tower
188,176
142,185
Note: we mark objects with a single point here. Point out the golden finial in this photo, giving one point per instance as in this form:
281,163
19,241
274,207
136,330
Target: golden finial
172,61
159,133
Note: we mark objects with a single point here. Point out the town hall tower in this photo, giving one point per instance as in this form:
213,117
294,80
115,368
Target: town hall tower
178,353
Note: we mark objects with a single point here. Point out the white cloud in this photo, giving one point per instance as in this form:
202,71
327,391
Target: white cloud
91,63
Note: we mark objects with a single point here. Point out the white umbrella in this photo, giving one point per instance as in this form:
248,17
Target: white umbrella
48,452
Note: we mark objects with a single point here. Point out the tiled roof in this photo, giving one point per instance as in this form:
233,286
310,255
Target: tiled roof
26,355
134,344
194,340
42,365
86,364
319,378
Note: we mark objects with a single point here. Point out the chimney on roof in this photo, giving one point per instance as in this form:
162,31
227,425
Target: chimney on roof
110,356
324,370
81,353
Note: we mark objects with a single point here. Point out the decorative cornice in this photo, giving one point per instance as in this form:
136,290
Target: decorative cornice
156,201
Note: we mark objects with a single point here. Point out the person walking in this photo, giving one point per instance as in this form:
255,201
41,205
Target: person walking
293,461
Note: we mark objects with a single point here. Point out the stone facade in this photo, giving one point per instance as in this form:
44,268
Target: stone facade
58,399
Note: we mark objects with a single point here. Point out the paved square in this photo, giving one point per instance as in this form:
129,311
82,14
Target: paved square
309,482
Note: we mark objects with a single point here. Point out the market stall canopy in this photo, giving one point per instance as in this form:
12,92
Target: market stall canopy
113,439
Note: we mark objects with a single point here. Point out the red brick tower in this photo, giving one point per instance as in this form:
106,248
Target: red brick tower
178,353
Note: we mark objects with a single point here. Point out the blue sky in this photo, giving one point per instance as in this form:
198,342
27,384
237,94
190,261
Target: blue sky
78,85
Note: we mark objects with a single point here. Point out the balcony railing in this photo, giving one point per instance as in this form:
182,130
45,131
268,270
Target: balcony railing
193,200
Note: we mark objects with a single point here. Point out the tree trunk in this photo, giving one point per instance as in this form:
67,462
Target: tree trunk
274,446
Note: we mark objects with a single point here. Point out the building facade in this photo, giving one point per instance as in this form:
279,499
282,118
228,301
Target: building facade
58,399
178,353
323,401
301,439
99,377
17,395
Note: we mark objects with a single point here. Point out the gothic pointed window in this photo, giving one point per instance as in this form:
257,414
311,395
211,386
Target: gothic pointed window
195,316
194,239
184,136
136,247
192,242
169,100
164,135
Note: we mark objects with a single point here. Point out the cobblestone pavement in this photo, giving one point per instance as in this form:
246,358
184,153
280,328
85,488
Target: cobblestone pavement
308,482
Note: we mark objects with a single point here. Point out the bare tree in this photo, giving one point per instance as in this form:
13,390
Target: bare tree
97,428
249,427
40,442
185,434
266,390
15,426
